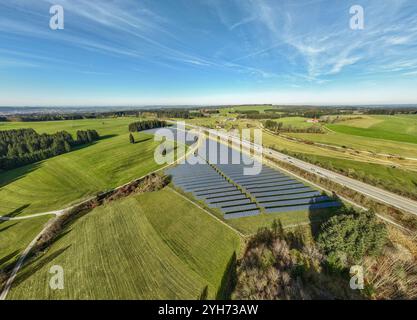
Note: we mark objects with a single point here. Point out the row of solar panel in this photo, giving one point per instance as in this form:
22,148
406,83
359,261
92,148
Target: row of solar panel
273,190
277,192
206,184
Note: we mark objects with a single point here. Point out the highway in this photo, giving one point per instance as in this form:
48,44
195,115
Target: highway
378,194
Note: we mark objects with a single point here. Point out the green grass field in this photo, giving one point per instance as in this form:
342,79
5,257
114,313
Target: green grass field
16,235
261,109
250,225
107,126
391,175
150,246
380,146
402,128
60,181
296,122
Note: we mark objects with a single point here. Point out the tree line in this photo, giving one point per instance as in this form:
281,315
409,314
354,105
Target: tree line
48,117
392,111
147,124
174,113
24,146
259,116
279,127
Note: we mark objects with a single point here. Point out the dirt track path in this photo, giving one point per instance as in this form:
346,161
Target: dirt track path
56,213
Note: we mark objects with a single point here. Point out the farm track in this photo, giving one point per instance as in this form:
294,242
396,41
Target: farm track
31,216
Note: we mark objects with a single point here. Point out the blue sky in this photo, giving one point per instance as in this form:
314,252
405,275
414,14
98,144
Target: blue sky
137,52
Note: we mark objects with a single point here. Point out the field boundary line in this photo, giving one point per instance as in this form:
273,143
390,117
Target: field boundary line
209,213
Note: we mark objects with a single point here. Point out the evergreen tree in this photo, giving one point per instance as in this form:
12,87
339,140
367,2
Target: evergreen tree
131,138
145,125
23,146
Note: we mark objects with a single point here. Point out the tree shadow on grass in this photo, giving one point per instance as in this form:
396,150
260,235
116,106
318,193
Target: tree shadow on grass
40,256
143,140
7,258
107,136
318,216
35,264
8,227
61,235
229,279
13,213
9,176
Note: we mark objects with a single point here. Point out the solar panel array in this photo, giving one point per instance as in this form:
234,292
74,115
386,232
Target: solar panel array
206,184
277,192
223,185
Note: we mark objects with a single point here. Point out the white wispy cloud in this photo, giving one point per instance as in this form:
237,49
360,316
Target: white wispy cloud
286,42
329,48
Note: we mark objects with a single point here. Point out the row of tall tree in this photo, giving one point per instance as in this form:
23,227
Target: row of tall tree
147,124
24,146
259,116
173,113
280,127
392,111
48,117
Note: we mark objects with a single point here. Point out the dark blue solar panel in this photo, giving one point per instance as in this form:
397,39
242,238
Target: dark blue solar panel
223,194
203,184
227,198
264,181
239,208
199,182
220,190
278,188
315,206
289,196
242,178
271,185
230,203
281,192
219,186
207,187
241,214
295,202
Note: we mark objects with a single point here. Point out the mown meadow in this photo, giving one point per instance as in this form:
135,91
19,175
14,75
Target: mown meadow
155,245
60,181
